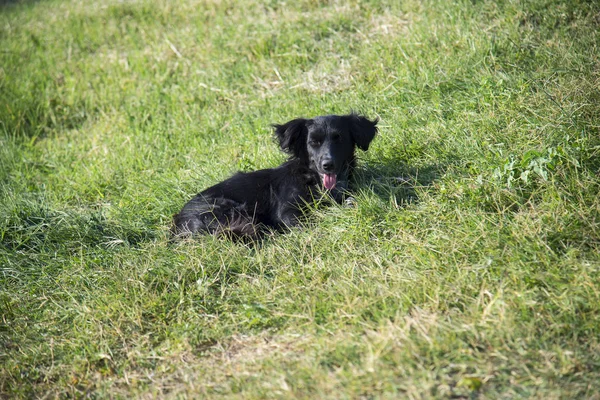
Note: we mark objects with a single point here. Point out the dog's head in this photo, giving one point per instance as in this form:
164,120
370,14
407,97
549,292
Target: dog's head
327,143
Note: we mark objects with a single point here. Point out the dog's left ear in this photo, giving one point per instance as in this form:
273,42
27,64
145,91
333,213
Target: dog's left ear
362,130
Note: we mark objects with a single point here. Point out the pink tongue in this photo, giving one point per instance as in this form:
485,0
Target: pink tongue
329,181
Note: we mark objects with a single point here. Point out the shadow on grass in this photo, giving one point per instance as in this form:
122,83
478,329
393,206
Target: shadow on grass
397,179
35,115
4,3
37,229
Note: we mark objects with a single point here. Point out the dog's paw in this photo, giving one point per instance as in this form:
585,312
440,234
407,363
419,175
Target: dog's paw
350,202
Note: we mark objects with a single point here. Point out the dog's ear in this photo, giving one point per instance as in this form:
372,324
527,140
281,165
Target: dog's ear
362,130
292,137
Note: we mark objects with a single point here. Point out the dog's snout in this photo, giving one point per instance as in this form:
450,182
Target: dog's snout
327,165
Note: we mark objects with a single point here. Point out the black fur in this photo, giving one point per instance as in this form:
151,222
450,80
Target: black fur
247,204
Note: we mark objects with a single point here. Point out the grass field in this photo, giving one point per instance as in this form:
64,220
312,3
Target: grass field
470,267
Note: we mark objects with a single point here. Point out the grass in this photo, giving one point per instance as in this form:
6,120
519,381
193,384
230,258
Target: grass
469,268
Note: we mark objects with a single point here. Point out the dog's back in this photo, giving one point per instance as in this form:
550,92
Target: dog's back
246,204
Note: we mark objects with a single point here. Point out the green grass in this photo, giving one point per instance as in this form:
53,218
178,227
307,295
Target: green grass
470,267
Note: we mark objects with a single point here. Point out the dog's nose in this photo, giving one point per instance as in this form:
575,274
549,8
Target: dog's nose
327,165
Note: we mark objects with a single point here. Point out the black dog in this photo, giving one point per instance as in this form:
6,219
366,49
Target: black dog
247,204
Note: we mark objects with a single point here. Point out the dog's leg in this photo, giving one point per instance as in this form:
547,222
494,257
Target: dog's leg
289,216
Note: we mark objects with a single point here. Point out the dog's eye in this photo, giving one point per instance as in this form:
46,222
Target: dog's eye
336,138
314,142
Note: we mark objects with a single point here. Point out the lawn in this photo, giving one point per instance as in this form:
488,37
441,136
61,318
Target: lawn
469,267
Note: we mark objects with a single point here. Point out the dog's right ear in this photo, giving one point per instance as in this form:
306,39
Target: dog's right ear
292,137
